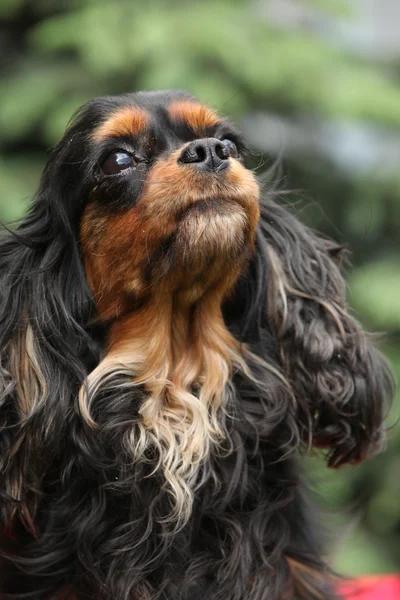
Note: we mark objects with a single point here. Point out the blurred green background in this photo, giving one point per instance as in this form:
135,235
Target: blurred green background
315,84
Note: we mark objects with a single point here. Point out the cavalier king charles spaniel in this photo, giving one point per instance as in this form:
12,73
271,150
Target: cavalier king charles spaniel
171,338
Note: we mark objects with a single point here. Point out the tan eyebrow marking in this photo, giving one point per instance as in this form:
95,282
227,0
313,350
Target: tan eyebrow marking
127,121
197,116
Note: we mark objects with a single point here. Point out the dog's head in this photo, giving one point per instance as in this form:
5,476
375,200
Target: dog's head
171,208
149,258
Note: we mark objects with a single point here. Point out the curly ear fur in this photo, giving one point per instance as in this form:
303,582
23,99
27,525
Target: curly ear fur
341,384
43,303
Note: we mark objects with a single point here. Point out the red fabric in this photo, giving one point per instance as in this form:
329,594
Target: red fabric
371,588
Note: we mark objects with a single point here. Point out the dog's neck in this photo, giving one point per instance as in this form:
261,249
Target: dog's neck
173,340
181,354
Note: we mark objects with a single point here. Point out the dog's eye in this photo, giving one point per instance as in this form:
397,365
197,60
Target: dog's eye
231,147
117,162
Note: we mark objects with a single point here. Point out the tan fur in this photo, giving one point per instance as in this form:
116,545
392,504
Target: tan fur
196,115
25,368
117,247
127,121
31,388
176,344
184,361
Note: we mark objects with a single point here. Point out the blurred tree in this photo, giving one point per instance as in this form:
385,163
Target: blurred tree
55,56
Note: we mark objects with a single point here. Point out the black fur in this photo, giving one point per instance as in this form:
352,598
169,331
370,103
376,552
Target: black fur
84,522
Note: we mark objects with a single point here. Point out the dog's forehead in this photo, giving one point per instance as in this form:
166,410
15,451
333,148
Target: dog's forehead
143,112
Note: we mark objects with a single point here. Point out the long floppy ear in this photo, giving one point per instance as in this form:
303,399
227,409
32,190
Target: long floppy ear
342,386
44,302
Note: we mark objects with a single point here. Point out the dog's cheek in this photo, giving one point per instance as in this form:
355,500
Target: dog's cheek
118,251
110,256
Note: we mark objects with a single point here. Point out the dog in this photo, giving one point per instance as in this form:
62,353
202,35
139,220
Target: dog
171,340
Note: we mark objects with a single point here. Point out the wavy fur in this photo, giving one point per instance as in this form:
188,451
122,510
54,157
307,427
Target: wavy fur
153,454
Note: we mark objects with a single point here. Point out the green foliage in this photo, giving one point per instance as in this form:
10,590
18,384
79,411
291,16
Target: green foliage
60,54
222,51
18,177
9,8
381,309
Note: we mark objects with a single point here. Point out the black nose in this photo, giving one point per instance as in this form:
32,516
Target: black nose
209,154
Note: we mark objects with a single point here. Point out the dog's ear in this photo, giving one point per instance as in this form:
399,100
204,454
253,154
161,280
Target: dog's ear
44,302
295,295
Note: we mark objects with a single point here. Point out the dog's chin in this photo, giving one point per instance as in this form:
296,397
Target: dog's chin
213,236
